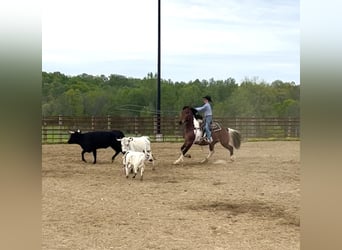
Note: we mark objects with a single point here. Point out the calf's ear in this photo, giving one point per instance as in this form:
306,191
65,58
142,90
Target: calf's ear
119,139
71,132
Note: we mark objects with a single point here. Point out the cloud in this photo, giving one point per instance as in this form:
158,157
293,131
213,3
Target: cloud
194,32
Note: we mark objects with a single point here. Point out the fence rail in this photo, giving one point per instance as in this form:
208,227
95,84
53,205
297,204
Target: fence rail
55,128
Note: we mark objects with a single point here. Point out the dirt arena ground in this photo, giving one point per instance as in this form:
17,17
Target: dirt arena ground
251,203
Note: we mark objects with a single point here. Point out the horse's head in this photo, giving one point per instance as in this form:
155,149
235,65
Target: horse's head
186,115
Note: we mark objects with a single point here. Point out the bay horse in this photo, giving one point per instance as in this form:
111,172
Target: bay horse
192,133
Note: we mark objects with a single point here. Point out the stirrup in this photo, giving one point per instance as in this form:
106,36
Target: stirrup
204,138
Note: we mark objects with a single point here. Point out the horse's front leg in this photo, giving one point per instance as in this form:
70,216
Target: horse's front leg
184,149
180,159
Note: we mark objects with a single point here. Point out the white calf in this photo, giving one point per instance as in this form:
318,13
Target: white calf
134,161
138,144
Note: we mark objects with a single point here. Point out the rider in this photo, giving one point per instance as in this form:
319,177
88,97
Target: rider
208,116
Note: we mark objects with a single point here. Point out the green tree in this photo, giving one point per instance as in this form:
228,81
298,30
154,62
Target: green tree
118,95
74,103
96,103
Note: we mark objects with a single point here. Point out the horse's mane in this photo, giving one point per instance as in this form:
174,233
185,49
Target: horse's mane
194,112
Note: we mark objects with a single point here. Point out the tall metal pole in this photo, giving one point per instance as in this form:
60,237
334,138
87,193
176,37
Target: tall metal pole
158,74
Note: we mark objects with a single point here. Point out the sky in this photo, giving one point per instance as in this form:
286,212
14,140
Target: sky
200,39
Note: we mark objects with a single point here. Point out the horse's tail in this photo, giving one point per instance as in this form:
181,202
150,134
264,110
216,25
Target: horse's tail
235,137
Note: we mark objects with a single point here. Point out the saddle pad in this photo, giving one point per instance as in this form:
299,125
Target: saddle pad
215,126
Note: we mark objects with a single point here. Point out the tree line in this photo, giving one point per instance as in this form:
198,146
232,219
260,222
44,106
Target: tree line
117,95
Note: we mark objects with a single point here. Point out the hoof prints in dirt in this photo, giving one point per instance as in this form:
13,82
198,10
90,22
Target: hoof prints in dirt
253,208
61,173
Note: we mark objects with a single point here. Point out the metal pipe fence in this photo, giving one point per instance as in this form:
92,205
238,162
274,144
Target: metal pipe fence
55,129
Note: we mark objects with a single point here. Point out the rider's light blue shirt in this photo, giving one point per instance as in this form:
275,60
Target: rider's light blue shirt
206,108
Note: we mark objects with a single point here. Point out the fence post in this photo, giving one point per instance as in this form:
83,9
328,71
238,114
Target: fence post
297,129
44,130
176,128
159,137
237,126
253,127
92,123
136,126
60,124
109,122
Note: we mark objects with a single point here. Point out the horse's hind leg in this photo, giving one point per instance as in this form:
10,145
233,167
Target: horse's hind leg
211,152
231,150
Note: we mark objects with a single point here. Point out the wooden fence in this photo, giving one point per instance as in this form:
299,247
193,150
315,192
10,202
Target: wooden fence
55,128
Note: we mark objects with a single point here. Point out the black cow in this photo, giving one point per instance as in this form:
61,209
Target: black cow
91,141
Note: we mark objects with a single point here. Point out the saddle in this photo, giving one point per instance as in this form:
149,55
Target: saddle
200,132
214,127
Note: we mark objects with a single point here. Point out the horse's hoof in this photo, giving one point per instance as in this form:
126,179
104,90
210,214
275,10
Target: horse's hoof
204,160
232,158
